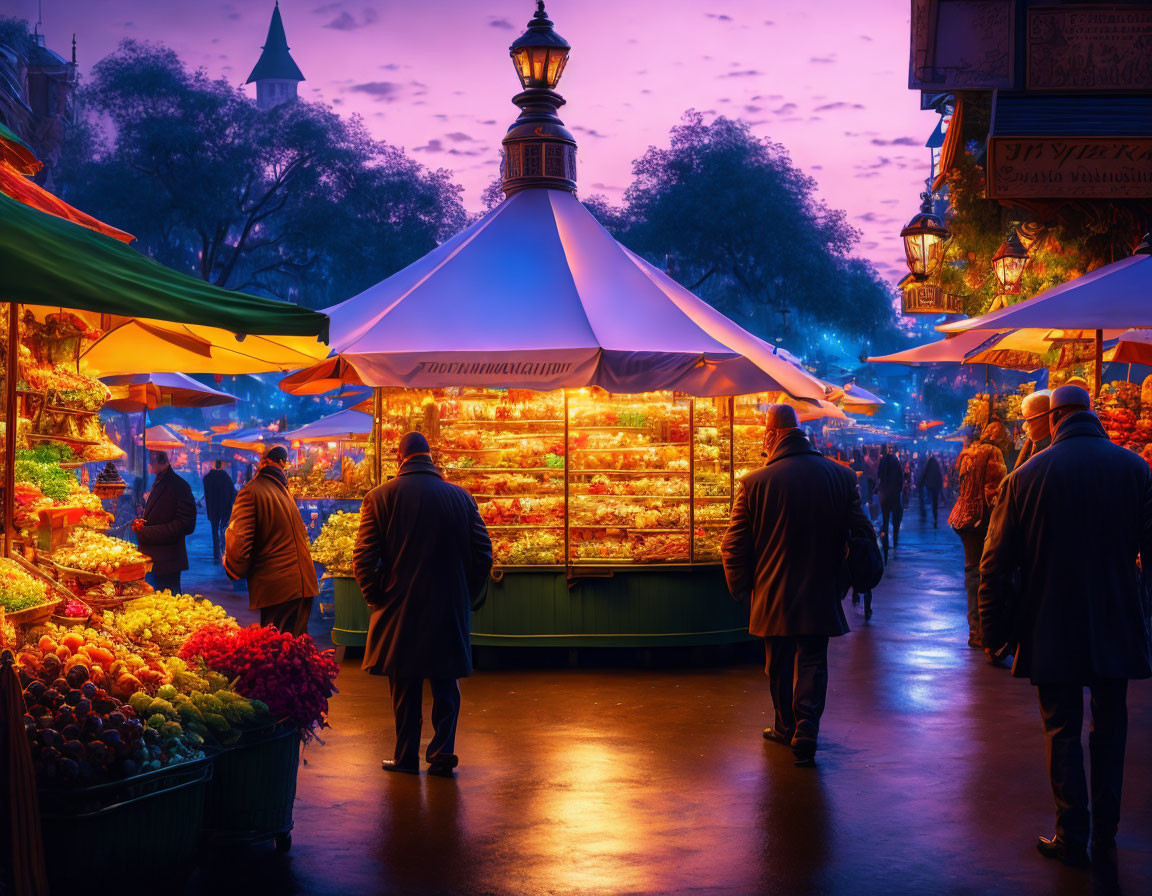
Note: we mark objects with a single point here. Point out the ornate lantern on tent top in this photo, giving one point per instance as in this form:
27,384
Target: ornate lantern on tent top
1009,262
924,238
539,54
538,150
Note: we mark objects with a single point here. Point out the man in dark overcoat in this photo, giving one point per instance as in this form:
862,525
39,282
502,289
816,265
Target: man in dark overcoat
169,517
890,488
931,483
219,495
785,548
422,559
1070,526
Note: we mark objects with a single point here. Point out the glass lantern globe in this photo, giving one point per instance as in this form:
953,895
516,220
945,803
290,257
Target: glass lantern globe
1009,262
924,238
539,54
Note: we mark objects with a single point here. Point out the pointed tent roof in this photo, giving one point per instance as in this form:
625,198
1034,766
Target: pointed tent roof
537,294
276,62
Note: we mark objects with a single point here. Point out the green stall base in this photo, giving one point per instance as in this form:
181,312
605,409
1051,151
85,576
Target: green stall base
630,607
350,628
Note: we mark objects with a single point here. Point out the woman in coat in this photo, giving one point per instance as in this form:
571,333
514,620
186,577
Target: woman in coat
980,468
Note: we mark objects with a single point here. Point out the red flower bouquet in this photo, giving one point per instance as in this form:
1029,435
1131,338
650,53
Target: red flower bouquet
287,673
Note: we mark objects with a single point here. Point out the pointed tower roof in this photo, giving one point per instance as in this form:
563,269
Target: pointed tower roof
276,61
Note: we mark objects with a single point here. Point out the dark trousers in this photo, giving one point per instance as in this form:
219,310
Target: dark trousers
290,616
217,527
798,679
934,496
407,698
973,541
894,511
1062,711
165,581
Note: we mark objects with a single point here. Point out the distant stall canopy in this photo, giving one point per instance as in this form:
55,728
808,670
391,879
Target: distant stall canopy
346,425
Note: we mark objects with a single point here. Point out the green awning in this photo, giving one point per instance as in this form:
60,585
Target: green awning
45,260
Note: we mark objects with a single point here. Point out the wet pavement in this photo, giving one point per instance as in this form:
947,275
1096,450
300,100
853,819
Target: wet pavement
627,780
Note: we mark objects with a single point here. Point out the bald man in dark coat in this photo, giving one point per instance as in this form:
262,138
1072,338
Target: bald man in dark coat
422,559
785,548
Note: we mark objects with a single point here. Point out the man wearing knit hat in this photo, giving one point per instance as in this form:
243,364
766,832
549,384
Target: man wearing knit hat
267,543
1070,525
1037,426
422,560
785,549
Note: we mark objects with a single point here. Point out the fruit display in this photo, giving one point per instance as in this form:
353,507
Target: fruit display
80,732
18,589
528,547
111,660
95,552
286,672
41,467
164,622
66,388
548,469
74,609
333,546
199,705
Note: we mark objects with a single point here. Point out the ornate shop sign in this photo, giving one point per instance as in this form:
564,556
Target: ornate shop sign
1101,47
1069,167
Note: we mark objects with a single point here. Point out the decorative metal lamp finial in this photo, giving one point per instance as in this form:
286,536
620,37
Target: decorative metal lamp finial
538,150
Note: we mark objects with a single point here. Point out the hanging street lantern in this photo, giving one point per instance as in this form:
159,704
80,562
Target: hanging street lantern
538,150
924,238
1009,262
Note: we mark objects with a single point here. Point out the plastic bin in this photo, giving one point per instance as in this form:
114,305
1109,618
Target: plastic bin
254,788
149,823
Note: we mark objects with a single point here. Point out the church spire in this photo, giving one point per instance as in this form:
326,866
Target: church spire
276,74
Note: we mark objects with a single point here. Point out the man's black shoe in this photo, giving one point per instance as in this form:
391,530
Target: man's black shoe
390,765
804,746
1069,854
778,737
442,766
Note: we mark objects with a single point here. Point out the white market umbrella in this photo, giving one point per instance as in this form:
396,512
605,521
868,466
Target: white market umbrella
537,295
344,425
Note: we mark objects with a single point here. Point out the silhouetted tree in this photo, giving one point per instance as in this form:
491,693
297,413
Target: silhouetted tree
730,216
294,201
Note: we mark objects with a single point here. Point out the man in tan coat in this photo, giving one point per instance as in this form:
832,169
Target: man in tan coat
267,544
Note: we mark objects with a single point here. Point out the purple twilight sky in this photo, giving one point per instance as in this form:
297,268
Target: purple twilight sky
827,79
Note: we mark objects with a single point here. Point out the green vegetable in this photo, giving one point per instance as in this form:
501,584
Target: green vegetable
41,467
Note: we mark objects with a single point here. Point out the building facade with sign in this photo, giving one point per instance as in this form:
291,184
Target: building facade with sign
1046,115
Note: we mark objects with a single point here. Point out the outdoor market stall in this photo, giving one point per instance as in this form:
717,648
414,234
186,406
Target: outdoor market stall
111,717
579,393
332,457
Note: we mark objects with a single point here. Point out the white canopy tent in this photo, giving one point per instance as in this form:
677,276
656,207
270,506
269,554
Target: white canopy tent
537,295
